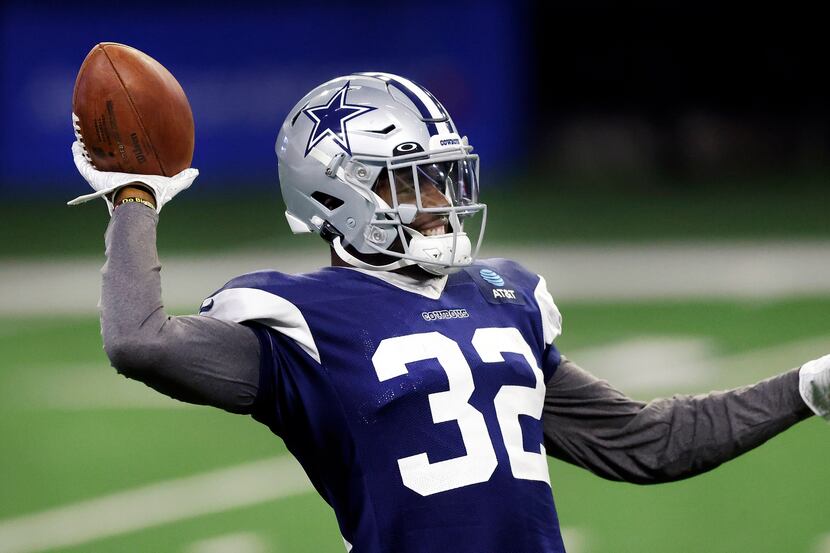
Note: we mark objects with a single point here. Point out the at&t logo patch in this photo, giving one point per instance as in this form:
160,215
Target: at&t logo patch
493,287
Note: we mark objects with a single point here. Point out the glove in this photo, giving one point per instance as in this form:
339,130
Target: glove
814,385
105,182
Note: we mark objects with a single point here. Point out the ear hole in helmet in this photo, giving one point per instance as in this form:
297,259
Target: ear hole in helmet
327,200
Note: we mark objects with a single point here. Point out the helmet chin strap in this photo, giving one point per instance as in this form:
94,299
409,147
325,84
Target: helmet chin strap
359,263
437,269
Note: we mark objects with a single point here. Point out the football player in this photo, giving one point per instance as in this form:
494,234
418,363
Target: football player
420,388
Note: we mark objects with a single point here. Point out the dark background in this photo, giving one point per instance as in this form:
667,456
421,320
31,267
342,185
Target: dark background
684,92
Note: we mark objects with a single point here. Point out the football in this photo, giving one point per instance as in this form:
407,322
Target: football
131,114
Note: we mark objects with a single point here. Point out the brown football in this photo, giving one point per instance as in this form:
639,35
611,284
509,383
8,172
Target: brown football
131,113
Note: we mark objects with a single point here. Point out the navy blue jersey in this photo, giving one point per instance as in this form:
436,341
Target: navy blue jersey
418,419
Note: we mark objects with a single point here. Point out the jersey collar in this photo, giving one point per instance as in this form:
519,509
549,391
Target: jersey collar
431,288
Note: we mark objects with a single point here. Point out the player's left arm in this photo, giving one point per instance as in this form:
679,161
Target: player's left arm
589,423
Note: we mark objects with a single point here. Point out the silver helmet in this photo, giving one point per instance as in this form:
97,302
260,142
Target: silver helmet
374,161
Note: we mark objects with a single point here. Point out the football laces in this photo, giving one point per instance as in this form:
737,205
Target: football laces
77,129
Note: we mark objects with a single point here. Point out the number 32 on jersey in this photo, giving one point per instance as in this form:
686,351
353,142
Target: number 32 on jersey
478,465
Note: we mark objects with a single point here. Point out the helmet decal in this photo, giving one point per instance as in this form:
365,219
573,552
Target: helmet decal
330,120
431,110
407,148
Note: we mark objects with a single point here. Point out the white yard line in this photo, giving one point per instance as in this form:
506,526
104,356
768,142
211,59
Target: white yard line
646,365
823,544
593,272
243,542
155,504
576,541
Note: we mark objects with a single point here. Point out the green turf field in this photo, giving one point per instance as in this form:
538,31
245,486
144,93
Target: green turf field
73,430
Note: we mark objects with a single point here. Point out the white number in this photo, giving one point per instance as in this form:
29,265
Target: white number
512,401
480,462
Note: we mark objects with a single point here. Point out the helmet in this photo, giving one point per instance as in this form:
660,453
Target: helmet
362,159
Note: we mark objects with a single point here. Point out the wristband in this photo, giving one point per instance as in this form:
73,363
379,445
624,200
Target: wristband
133,199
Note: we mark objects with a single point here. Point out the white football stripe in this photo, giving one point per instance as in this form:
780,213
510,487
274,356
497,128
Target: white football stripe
155,504
242,542
593,273
823,544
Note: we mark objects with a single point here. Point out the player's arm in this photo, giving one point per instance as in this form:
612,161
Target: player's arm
191,358
589,423
194,359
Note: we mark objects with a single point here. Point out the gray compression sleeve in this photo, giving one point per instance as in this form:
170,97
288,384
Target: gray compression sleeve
194,359
590,424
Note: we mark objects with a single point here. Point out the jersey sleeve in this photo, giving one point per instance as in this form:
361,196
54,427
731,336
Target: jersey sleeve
551,325
246,304
536,289
549,313
265,408
288,381
267,302
549,317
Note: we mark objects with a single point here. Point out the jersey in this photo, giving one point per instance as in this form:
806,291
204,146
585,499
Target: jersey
417,418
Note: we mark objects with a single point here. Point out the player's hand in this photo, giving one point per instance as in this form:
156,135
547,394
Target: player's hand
106,182
814,385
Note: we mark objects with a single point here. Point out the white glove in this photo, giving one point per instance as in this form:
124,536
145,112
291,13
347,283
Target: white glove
814,385
105,182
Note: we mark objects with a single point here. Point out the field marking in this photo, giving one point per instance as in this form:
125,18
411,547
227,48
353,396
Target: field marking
593,272
242,542
783,356
648,364
822,544
575,540
154,504
645,363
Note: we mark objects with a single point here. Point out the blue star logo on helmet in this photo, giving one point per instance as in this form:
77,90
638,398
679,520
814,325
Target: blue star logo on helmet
492,277
330,120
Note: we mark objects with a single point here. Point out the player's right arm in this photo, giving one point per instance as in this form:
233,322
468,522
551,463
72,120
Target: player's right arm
191,358
194,359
